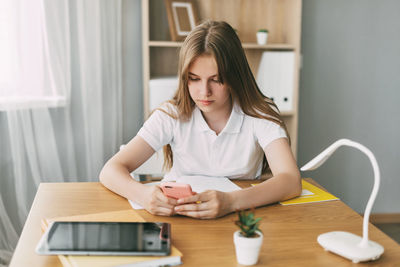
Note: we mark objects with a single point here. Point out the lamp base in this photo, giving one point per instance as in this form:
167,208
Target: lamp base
348,246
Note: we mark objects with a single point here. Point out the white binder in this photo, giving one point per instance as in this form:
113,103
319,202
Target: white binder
275,77
266,75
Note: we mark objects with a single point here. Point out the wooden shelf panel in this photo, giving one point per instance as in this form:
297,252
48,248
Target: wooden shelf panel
245,45
287,113
165,44
268,46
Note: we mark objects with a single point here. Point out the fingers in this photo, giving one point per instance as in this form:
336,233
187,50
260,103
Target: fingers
159,204
163,198
192,207
192,199
197,211
166,200
158,207
205,214
205,205
162,211
200,197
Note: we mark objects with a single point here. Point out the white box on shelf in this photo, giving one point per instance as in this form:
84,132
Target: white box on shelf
161,89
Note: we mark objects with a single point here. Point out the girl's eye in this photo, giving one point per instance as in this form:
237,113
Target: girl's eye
193,79
216,81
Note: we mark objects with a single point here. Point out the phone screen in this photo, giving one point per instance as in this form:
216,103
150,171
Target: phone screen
136,238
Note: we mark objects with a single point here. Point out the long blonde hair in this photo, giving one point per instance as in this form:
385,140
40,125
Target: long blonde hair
218,38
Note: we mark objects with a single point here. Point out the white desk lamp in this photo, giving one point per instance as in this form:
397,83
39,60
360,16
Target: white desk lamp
346,244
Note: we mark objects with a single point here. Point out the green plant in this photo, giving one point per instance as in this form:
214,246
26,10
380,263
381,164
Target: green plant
247,223
263,30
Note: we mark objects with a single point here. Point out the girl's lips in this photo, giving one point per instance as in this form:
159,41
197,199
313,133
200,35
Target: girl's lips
205,102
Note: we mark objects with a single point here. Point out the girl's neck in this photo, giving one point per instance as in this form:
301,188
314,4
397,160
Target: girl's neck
217,119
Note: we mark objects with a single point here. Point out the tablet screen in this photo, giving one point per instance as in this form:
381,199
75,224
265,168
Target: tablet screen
102,238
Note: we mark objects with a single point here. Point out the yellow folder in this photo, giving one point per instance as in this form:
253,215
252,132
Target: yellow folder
310,193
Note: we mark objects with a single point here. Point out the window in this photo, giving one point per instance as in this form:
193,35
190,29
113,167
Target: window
34,64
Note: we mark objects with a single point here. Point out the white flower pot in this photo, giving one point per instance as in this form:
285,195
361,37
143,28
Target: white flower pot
262,38
247,248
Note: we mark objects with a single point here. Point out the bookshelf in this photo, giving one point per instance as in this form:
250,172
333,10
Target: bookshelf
281,17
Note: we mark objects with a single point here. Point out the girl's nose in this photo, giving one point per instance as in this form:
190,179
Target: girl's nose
205,89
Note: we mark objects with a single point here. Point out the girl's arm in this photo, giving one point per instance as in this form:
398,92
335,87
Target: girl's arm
115,175
284,184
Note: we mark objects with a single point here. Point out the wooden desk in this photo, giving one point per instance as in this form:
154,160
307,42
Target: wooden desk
290,232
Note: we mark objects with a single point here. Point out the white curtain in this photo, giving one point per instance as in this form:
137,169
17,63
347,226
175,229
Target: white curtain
34,48
60,99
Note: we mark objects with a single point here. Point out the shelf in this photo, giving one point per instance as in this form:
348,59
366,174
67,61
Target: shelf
165,44
268,46
281,17
287,113
245,45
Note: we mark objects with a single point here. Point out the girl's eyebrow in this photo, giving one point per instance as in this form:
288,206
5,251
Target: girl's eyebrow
191,73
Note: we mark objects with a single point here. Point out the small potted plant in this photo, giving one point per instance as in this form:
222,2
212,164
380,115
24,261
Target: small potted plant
262,36
248,239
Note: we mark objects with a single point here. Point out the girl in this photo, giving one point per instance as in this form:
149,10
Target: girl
217,124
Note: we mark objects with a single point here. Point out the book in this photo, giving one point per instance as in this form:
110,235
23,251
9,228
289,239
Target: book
310,193
107,261
122,261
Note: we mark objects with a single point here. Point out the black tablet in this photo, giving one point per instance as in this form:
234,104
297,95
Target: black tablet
106,238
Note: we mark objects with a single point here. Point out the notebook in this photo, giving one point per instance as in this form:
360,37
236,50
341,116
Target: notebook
107,261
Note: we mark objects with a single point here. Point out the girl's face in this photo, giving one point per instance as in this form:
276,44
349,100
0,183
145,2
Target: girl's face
205,88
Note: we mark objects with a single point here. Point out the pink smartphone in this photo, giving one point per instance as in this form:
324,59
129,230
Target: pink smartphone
176,190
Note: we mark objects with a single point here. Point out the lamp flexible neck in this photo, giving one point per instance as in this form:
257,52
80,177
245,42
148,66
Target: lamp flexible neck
364,241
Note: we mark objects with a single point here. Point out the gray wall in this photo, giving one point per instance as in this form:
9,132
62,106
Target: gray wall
132,68
350,88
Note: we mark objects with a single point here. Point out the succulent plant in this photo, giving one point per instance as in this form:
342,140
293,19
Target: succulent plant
262,30
247,223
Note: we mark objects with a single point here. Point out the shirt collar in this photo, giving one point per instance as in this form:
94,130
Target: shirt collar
199,121
232,126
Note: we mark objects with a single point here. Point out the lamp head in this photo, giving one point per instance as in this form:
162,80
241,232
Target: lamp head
324,155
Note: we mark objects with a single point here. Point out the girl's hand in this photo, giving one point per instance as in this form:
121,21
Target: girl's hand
207,205
157,203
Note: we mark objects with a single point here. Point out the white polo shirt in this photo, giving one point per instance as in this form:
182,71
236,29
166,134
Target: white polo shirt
236,153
